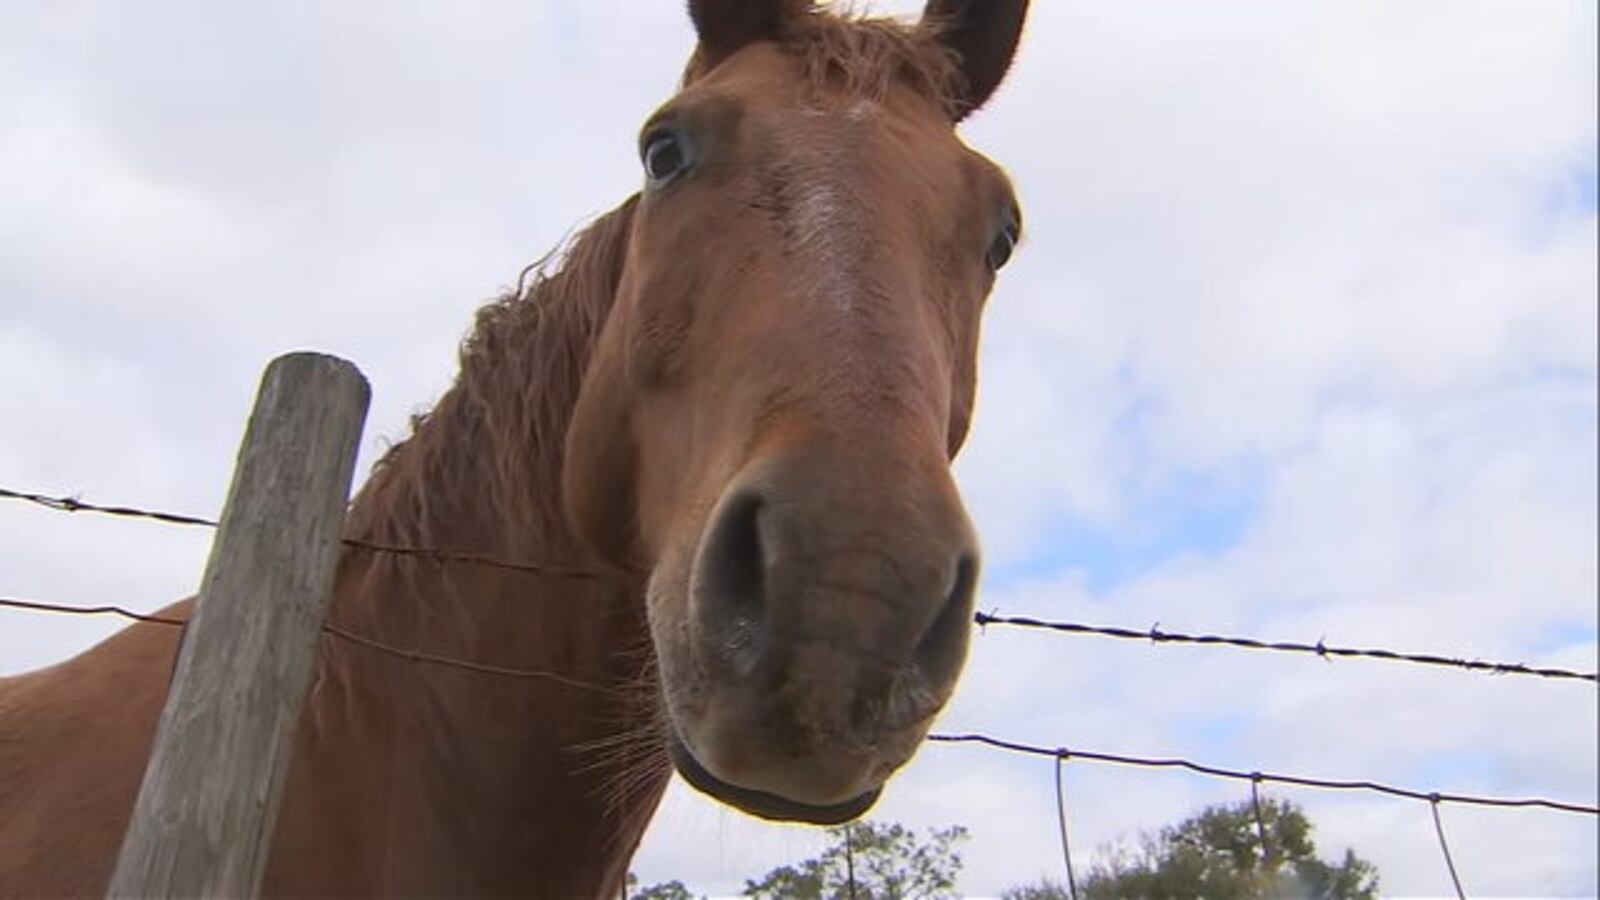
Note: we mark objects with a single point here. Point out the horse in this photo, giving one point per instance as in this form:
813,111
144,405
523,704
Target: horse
723,419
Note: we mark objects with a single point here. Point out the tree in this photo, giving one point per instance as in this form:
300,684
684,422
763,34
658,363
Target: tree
888,862
1217,854
667,890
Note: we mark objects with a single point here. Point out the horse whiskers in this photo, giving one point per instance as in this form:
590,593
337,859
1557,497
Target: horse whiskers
616,760
633,760
629,757
633,734
628,800
633,763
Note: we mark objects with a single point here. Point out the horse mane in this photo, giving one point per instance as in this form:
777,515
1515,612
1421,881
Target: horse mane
494,441
864,55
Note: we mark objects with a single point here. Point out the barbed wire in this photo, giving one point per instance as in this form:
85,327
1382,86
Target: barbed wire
1261,822
39,606
73,504
1057,753
1299,780
330,628
1155,635
1444,847
483,668
476,559
1266,857
1061,822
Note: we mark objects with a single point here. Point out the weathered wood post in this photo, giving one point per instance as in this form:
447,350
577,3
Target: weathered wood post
203,822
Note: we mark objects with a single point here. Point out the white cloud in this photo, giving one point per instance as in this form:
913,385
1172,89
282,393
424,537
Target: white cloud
1308,254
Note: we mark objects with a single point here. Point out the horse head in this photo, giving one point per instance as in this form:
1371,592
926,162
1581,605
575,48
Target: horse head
765,428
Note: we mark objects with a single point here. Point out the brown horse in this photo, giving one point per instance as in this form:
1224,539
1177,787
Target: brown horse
745,385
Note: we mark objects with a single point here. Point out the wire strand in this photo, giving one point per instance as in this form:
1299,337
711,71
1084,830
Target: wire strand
37,606
1300,780
1058,753
334,630
434,659
476,559
1156,635
1061,820
1153,634
1444,845
1261,825
850,857
73,504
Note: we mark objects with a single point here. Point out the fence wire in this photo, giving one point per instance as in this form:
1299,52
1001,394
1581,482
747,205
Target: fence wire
1061,822
1444,847
73,504
1155,635
1299,780
328,628
1058,753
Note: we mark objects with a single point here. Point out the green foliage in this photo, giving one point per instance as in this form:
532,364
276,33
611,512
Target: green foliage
1044,890
889,861
1216,854
668,890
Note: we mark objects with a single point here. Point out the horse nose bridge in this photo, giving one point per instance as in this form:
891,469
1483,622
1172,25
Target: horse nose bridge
832,215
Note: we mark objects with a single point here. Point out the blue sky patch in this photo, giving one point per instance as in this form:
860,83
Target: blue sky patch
1214,733
1191,514
1554,637
1575,192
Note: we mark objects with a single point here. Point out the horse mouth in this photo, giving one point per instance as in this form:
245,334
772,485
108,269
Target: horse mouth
762,804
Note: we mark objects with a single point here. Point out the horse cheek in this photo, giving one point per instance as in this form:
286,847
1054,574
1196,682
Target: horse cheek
600,474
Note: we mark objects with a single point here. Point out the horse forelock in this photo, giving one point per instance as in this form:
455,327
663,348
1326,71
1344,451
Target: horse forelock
865,56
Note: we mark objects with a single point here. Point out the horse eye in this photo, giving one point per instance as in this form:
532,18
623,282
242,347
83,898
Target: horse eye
665,157
1004,243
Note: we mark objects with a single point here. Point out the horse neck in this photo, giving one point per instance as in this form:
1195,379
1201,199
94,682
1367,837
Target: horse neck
480,476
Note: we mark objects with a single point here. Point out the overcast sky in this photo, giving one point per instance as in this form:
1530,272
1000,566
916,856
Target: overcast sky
1302,344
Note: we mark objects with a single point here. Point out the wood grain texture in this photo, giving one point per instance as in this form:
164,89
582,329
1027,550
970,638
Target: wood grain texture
208,804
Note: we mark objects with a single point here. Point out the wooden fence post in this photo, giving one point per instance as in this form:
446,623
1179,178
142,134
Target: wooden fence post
203,822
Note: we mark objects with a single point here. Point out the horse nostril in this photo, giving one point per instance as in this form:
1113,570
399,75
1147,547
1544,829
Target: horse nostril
943,647
732,577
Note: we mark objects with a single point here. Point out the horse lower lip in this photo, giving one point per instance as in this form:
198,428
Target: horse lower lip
760,803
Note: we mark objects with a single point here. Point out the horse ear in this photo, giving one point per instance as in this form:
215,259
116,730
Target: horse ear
724,26
984,35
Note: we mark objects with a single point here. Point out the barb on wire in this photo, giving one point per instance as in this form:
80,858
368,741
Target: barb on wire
1300,780
73,504
334,630
1438,827
1156,635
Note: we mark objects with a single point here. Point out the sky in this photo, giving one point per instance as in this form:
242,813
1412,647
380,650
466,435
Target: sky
1301,344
